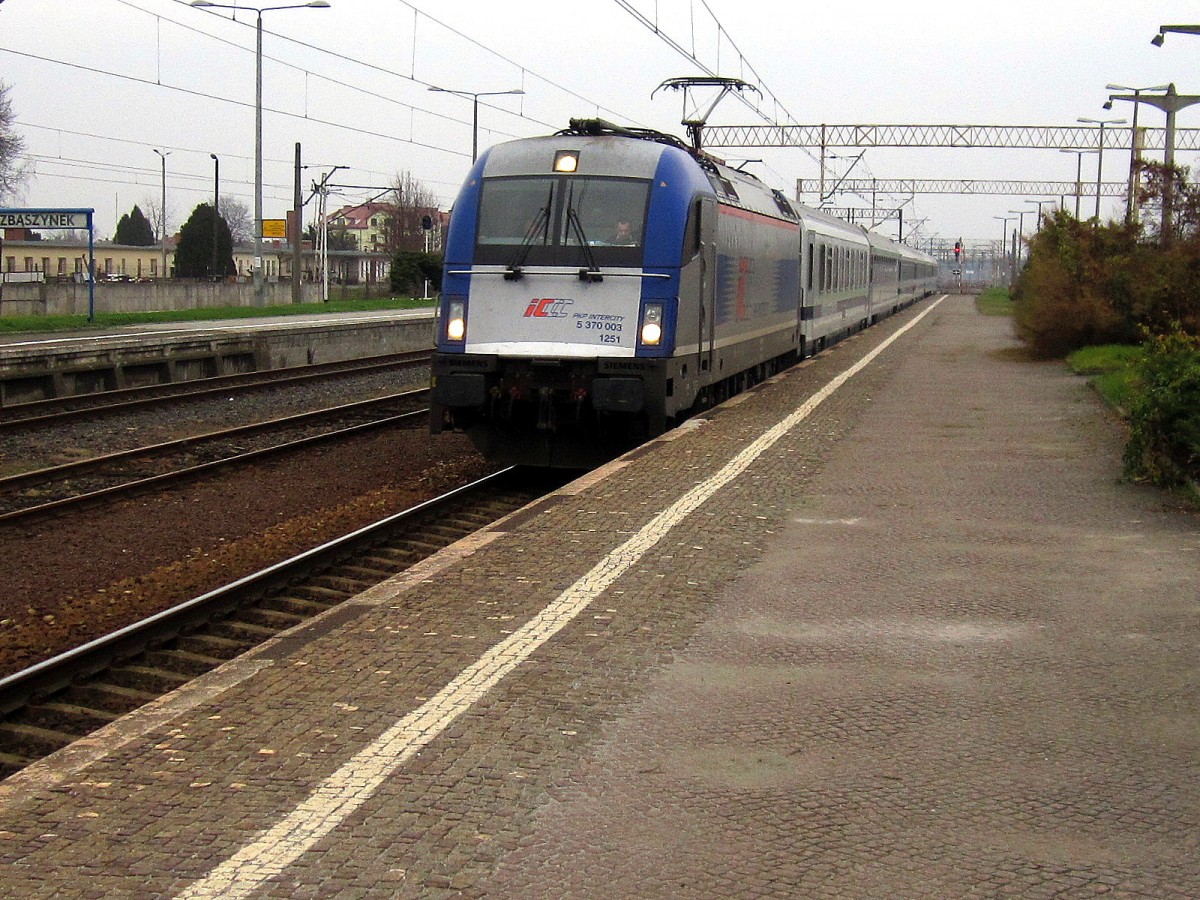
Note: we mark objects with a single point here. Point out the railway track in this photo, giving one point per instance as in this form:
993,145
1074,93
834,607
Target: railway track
56,411
56,702
35,494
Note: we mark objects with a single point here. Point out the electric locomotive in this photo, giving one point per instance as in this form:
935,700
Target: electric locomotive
602,283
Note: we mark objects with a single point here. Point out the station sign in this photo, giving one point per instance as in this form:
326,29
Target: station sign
274,228
44,218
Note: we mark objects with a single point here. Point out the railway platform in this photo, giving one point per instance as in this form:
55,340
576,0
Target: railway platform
40,366
888,625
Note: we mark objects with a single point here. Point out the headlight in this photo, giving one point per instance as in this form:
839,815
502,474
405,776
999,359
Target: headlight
456,320
652,316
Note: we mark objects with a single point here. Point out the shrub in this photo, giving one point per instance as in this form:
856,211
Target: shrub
1070,293
1164,416
411,269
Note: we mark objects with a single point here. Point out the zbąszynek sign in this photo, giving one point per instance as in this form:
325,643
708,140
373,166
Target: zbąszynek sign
44,218
59,218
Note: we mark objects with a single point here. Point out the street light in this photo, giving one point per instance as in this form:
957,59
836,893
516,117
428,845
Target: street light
475,105
1134,147
1157,40
1170,103
216,198
259,297
1078,174
1003,238
1040,203
1100,154
162,209
1018,250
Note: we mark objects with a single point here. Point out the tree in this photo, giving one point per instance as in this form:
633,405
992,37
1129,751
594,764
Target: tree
14,168
135,230
154,211
194,253
237,216
411,269
339,238
411,202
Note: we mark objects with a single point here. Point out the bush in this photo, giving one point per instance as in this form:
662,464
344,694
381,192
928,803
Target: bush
1164,416
411,269
1071,291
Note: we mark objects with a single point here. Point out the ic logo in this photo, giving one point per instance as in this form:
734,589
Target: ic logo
548,308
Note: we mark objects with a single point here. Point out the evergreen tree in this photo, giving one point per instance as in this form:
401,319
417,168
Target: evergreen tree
194,254
135,230
410,270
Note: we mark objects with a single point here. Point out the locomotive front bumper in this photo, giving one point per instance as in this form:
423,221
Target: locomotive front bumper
469,382
492,385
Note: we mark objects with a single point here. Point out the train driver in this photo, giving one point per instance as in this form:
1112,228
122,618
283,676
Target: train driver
623,234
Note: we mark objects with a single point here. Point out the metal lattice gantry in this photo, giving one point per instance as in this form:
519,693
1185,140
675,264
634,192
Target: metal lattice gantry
1034,137
964,186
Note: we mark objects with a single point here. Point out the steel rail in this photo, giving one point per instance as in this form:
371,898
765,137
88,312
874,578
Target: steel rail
130,488
50,411
61,671
81,466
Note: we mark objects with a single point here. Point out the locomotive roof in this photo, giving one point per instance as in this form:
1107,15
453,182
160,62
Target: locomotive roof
603,155
608,150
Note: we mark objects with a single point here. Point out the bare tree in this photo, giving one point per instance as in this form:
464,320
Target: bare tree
411,202
67,235
14,167
152,204
237,216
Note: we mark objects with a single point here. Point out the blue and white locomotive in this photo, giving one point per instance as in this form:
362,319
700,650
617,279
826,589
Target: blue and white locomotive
603,283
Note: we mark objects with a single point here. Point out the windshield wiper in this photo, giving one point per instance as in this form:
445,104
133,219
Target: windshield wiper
540,221
592,272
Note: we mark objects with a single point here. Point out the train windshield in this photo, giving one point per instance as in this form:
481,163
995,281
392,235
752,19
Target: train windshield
547,221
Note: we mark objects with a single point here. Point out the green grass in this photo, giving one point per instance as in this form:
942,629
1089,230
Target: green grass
1109,368
13,324
994,301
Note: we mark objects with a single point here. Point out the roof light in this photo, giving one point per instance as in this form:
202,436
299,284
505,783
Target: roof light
566,161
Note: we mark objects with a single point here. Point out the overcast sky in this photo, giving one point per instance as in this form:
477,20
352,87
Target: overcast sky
96,85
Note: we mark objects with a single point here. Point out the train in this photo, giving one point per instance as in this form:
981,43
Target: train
603,283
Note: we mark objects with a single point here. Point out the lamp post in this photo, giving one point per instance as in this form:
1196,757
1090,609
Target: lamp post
1003,238
259,294
1017,252
162,209
1134,147
1163,30
1100,154
475,114
1078,174
216,198
1040,204
1170,103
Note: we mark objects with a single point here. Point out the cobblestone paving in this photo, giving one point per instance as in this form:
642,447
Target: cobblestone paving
925,645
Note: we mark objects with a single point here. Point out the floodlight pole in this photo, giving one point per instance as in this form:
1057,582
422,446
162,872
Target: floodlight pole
1078,174
259,287
1135,150
1039,203
216,200
1003,239
475,95
162,210
1100,155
